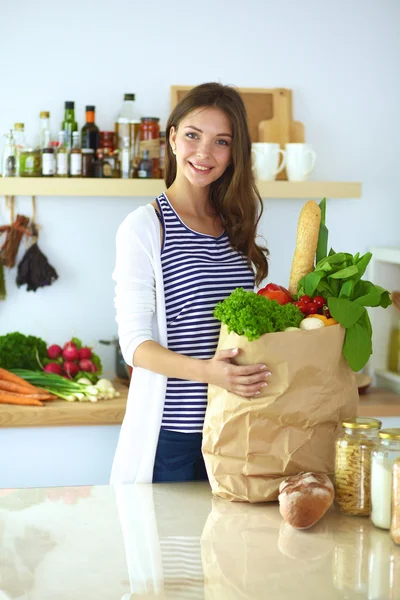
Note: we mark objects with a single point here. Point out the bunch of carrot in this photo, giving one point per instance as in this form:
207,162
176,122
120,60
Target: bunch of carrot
15,390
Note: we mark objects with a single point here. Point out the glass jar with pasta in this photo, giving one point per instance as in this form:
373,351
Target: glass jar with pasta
353,465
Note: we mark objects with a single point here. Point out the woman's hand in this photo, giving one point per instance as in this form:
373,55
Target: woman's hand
245,381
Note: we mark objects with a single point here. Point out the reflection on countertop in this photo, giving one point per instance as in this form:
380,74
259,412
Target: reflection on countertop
175,541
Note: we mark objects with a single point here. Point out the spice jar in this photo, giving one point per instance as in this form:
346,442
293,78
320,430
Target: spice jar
383,457
30,162
353,465
107,140
395,522
150,140
87,162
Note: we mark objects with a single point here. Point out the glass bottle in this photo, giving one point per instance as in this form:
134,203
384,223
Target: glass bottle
9,161
126,158
150,140
353,465
87,162
20,144
162,154
75,165
44,130
395,522
48,162
90,132
69,125
127,124
383,457
62,156
98,164
145,167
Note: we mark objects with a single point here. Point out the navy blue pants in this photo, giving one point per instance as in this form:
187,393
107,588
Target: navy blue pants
179,457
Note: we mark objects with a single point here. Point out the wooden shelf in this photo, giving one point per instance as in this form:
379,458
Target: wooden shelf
53,186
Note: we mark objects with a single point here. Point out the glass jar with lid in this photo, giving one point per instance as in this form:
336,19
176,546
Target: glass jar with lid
383,458
353,465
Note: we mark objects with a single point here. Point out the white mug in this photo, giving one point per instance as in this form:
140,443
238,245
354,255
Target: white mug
265,160
300,161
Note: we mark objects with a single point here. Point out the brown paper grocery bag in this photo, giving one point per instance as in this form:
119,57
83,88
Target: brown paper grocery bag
251,445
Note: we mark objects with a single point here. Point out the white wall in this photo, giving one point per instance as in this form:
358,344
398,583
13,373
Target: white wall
341,59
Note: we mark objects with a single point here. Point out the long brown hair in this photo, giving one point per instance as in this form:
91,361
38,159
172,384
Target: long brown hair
234,196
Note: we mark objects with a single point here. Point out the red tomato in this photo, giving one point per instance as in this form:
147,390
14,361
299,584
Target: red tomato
319,301
306,299
302,306
311,308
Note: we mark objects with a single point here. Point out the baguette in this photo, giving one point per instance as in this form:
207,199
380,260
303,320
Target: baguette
305,498
306,244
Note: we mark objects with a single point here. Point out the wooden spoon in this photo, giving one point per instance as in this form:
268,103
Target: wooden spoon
396,299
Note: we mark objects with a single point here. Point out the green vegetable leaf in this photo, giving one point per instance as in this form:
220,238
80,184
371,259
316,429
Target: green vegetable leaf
357,347
347,289
344,311
345,273
362,263
311,281
322,247
77,342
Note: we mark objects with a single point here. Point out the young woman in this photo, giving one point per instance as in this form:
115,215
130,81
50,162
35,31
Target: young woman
176,258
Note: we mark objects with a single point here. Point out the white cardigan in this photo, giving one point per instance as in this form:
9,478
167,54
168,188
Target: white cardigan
140,314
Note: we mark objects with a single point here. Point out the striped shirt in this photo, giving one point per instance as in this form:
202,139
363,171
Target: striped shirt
199,270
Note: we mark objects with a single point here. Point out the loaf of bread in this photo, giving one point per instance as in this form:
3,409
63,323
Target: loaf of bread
305,498
306,244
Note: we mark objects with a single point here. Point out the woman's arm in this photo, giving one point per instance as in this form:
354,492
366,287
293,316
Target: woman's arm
245,381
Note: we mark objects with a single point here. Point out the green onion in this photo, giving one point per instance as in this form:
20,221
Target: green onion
59,386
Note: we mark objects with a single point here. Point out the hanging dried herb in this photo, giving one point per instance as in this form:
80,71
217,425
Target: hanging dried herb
14,233
3,292
34,270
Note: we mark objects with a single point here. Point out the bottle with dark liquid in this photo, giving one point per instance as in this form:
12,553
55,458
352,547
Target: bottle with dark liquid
90,137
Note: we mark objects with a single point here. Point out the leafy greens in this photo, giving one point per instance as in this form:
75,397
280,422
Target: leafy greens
252,315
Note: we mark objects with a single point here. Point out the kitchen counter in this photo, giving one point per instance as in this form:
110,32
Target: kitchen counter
61,412
377,402
176,541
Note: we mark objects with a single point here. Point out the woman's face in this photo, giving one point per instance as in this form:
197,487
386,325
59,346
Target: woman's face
203,145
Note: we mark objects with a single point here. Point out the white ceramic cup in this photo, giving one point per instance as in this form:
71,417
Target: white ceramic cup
265,160
300,161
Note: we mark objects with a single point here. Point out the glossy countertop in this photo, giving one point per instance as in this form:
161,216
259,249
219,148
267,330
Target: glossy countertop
176,541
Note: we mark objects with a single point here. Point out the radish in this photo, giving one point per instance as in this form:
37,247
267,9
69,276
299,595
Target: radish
54,368
85,352
70,352
70,343
70,368
87,365
54,351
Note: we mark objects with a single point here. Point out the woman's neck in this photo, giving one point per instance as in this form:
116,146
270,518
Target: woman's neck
190,199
